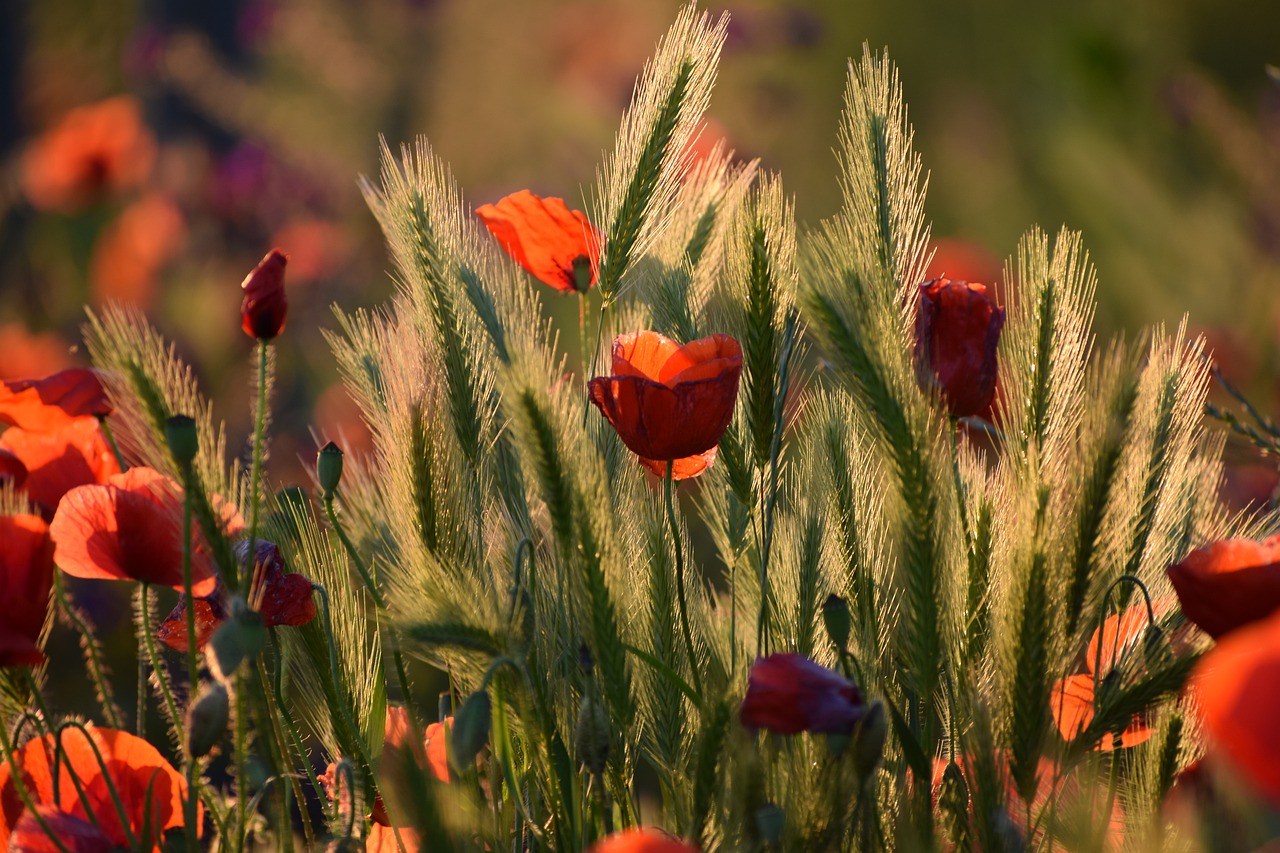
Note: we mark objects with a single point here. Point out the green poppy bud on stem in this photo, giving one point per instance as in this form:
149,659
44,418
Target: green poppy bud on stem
835,616
329,468
591,736
184,441
470,730
869,738
238,639
207,719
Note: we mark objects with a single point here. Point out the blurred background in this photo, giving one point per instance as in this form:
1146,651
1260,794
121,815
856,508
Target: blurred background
152,151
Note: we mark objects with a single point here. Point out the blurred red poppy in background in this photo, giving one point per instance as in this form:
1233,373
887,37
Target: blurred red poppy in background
957,330
1228,584
264,307
283,598
130,528
26,579
670,402
132,251
151,791
1072,698
1237,687
94,150
558,246
788,693
642,840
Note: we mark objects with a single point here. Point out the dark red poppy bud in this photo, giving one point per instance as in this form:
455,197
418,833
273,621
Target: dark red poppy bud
264,307
957,330
788,693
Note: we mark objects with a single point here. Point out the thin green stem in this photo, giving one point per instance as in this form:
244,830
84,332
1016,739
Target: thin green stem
353,553
193,674
107,778
92,652
684,612
595,353
111,440
255,479
242,764
19,785
582,337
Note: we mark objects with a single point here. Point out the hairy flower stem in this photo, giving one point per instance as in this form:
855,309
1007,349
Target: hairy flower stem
668,482
92,652
255,478
350,548
241,742
193,673
153,658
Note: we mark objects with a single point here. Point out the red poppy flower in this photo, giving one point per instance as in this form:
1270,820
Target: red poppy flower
150,790
1228,584
645,839
76,835
95,149
26,578
670,402
1237,686
12,470
45,405
281,597
264,308
130,528
76,454
957,330
1072,698
788,693
558,246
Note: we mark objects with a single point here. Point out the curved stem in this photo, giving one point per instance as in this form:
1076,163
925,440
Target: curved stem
684,612
106,775
153,658
19,785
350,548
259,439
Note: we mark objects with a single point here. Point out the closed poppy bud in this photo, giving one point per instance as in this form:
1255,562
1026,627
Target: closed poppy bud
957,330
835,616
207,719
238,639
329,468
788,693
264,307
670,403
12,470
1226,585
869,738
591,735
470,730
183,439
556,245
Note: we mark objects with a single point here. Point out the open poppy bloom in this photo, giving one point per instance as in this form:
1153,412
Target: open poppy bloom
44,405
1237,687
74,454
96,149
1072,699
642,839
557,246
264,307
130,528
283,598
151,792
1226,585
26,579
957,331
788,693
670,402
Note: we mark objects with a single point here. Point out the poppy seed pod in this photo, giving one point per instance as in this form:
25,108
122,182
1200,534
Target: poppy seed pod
264,308
670,403
238,639
835,616
207,719
470,730
556,245
183,439
329,468
957,331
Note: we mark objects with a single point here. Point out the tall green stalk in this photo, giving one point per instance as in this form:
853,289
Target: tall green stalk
667,483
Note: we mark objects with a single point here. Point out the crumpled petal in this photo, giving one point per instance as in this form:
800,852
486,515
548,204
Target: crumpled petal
545,237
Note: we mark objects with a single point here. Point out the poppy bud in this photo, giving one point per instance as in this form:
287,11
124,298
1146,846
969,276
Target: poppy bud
770,821
868,739
207,720
470,731
835,615
184,441
329,468
957,330
241,637
591,736
263,310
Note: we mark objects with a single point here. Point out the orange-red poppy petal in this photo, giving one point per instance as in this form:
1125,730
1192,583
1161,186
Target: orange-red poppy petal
642,840
76,834
129,528
26,579
43,405
1237,685
75,454
544,236
1072,704
1228,584
681,469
